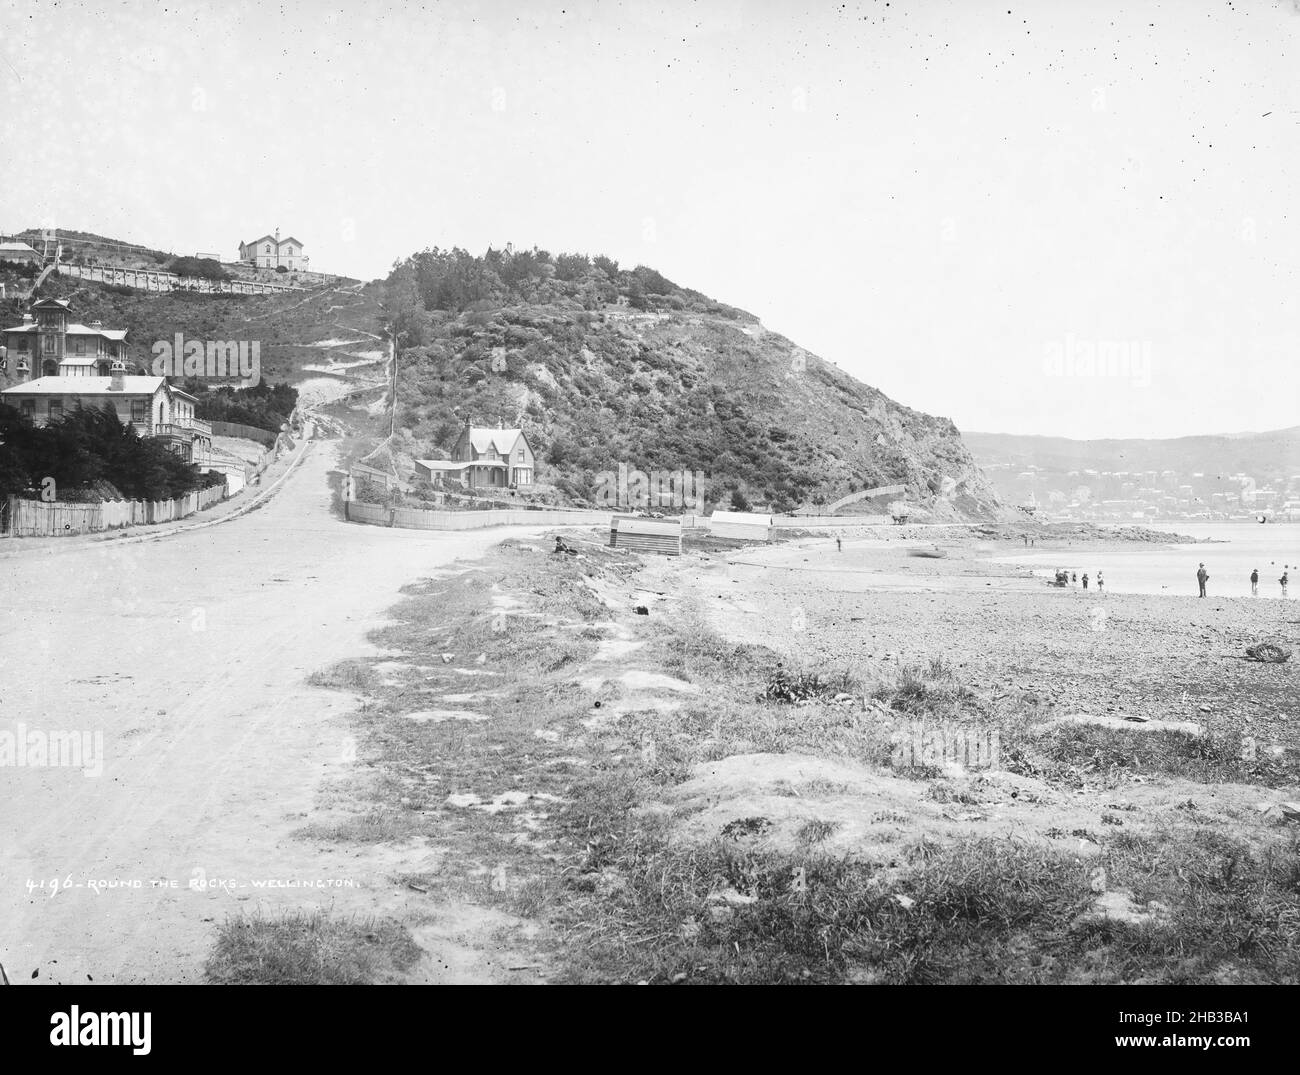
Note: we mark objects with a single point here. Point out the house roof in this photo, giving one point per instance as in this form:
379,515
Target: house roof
499,440
107,333
80,360
87,386
290,239
441,464
51,302
118,334
16,248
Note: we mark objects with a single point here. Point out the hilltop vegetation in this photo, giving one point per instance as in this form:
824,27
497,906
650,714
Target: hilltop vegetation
285,324
263,406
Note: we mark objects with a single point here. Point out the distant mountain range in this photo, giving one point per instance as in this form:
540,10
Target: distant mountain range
1266,456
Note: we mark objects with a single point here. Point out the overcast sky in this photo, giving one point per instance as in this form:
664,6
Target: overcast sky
959,202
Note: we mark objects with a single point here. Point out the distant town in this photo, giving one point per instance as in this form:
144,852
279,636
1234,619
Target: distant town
1150,495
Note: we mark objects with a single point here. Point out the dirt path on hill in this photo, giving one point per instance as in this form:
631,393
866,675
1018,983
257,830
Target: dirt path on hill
189,657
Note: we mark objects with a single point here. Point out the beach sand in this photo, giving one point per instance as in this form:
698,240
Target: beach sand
873,605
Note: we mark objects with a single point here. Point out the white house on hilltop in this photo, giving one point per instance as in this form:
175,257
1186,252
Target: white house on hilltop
272,252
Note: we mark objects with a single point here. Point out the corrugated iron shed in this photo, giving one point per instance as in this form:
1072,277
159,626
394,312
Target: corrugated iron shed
747,525
661,536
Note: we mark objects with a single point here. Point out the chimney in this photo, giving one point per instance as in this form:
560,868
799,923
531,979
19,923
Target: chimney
27,318
117,376
97,324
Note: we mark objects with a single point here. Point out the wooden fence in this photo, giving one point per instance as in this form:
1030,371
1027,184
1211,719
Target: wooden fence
423,519
161,280
815,522
38,518
235,429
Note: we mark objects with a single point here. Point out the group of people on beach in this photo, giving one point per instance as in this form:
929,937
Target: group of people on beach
1201,576
1067,578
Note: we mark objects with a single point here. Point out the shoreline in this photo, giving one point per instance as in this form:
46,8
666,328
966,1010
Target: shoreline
624,760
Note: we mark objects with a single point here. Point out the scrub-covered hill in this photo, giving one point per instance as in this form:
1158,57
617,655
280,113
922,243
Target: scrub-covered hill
602,366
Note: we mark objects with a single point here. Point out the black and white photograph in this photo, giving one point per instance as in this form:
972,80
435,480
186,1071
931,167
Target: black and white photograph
673,493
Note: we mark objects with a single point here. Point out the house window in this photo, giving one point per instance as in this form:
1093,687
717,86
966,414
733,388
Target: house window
56,409
519,457
139,410
29,408
49,345
24,344
80,345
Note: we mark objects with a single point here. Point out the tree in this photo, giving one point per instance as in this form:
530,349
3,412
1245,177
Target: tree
739,501
204,268
87,445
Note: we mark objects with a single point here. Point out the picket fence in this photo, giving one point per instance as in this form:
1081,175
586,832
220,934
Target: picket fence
39,518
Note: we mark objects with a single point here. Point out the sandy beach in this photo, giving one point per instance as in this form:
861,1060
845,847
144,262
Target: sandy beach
872,605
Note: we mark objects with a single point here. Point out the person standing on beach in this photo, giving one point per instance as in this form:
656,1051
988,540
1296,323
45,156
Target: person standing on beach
1085,580
839,547
1254,583
1100,582
1202,576
1074,577
1283,580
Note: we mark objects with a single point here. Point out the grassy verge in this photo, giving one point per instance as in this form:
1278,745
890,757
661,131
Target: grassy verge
1205,908
309,949
1189,904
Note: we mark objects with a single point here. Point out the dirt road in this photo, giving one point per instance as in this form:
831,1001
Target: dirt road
188,655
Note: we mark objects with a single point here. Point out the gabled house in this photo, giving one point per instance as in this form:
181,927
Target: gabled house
483,458
271,252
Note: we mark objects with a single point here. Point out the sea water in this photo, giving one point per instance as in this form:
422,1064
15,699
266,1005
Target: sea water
1237,549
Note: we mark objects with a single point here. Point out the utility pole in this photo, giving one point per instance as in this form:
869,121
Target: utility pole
392,355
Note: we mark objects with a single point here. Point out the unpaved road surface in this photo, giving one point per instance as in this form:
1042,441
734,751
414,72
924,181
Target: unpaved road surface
189,655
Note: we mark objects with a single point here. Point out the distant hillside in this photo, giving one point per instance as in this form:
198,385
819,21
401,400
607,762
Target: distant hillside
1268,455
602,365
285,324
